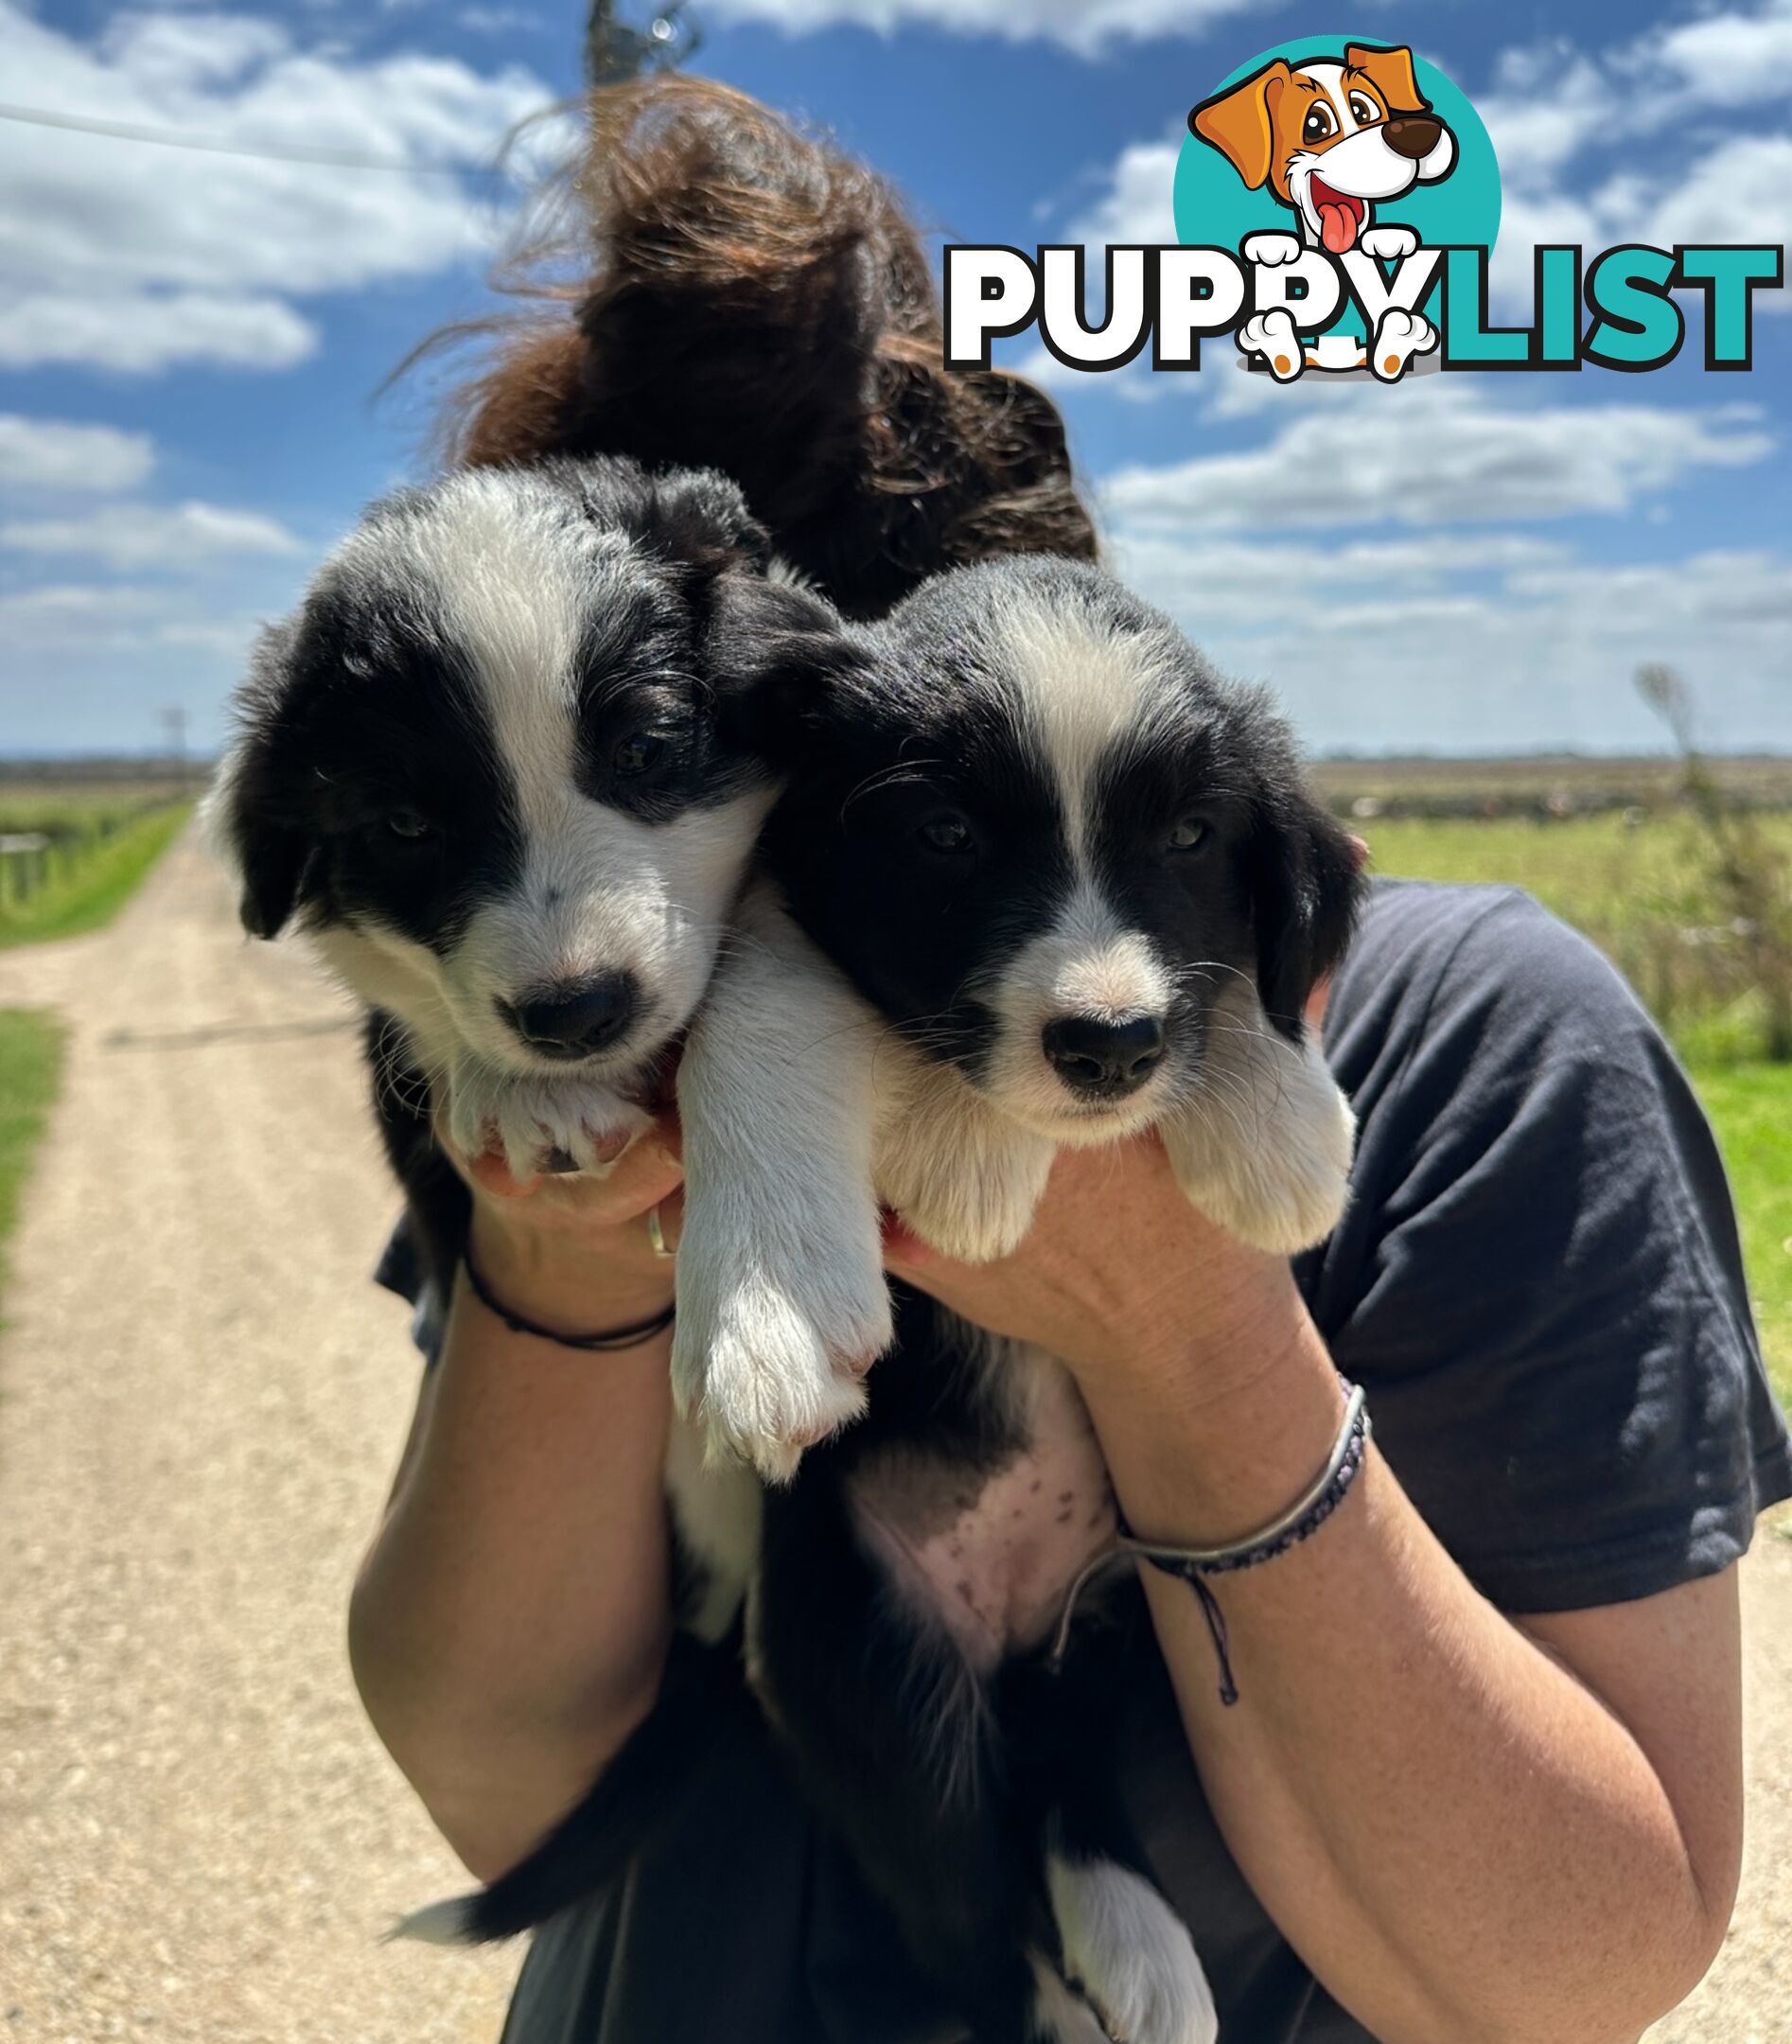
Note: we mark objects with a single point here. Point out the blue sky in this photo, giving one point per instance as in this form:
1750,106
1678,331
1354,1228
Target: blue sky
191,344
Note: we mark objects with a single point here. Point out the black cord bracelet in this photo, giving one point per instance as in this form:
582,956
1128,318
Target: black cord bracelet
611,1341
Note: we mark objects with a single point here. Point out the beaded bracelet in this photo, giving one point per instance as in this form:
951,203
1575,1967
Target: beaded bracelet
1193,1566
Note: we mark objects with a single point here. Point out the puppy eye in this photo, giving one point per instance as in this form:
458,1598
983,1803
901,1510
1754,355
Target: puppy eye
637,755
949,834
1318,125
409,825
1363,111
1189,834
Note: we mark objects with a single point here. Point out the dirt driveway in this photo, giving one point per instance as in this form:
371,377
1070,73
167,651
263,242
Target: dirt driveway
200,1397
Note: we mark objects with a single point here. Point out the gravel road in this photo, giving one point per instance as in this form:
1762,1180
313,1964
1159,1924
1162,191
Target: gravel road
201,1398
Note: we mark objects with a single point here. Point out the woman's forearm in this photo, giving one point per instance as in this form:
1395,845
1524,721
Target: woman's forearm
510,1623
1463,1840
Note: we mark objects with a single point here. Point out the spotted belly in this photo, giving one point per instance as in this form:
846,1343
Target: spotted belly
989,1554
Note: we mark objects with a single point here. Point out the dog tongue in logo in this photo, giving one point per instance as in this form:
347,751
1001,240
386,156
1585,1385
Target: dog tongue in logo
1339,214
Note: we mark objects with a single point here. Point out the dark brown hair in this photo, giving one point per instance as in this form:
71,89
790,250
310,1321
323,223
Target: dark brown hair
726,292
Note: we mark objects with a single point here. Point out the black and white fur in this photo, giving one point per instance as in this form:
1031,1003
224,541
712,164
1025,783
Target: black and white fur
1026,802
505,769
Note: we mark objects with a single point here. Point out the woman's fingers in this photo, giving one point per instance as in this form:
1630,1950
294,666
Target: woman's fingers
646,1173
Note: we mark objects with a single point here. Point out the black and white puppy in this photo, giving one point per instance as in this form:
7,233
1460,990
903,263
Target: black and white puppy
504,767
1041,878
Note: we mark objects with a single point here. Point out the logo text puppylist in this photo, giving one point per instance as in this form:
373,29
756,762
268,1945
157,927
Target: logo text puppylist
1336,203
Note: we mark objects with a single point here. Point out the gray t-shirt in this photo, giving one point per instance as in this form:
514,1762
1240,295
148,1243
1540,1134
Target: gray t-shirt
1540,1285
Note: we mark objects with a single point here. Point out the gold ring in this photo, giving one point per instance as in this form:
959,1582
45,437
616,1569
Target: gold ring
657,1235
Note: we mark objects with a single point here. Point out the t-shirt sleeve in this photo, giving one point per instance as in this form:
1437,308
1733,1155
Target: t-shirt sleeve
1540,1281
400,1269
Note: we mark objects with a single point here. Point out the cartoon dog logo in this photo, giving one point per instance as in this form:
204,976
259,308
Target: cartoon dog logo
1331,141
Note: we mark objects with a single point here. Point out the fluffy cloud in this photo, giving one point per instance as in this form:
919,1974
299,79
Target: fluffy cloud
134,537
1083,26
1456,646
200,252
52,454
140,334
1441,456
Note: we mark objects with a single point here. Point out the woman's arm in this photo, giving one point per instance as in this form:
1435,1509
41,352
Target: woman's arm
1476,1831
510,1622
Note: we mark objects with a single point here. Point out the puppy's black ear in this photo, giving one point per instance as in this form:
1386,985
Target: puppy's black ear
1306,888
249,812
776,650
701,520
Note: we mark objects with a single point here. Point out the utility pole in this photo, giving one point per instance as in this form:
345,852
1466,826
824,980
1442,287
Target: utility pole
616,51
173,721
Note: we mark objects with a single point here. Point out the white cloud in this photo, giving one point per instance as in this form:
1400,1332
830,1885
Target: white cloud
1435,456
141,333
148,535
1468,648
1084,25
1728,58
204,250
52,454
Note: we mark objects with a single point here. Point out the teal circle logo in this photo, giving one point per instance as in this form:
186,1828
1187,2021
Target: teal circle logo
1216,207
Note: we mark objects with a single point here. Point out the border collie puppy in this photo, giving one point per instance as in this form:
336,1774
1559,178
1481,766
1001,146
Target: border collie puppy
504,767
1040,878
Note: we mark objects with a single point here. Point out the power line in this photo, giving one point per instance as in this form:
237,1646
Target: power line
216,146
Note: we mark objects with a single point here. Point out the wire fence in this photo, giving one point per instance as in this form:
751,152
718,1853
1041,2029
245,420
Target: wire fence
59,851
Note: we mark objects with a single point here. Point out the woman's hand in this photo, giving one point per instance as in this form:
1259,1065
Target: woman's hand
1123,1278
574,1253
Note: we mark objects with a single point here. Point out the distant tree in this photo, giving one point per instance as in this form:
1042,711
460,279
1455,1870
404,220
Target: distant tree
1752,877
616,51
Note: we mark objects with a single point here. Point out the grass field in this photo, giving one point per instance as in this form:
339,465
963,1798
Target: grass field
1638,890
100,878
30,1062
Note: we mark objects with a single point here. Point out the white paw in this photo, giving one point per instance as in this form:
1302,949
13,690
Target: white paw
1272,250
1264,1147
970,1200
1130,1952
1272,336
541,1125
770,1350
1399,337
1387,244
1059,2014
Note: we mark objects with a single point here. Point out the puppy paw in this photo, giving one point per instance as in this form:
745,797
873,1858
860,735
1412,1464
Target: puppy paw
766,1378
541,1126
1058,2014
1272,250
1399,337
770,1350
1276,1179
1272,335
1387,244
972,1199
1130,1953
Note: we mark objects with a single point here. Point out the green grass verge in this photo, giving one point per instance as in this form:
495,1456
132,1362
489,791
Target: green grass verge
1751,1106
89,897
30,1067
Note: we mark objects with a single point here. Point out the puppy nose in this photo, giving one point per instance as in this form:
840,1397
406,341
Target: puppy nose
1412,135
576,1021
1107,1058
